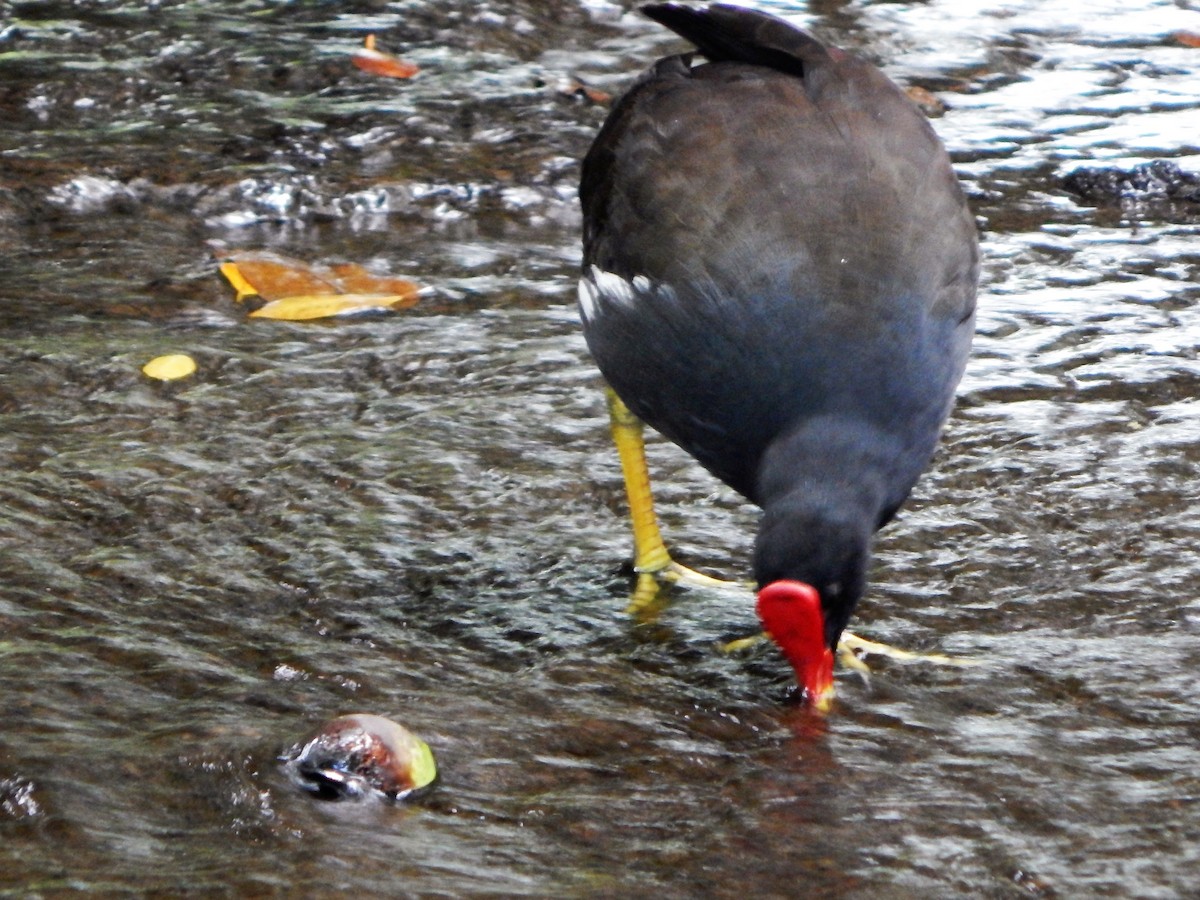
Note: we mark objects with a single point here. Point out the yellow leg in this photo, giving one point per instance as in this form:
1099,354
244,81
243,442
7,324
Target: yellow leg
650,557
650,553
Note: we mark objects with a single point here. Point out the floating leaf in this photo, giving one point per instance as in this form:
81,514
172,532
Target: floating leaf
295,290
323,306
378,63
170,367
273,278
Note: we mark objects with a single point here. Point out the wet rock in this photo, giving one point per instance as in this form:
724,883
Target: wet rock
358,756
19,799
1157,181
91,194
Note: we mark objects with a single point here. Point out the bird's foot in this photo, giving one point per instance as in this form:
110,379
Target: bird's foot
845,651
739,644
674,573
853,647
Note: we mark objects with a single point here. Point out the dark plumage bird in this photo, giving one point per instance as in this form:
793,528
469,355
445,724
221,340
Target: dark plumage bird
779,275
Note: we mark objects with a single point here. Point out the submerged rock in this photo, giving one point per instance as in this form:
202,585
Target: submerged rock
361,755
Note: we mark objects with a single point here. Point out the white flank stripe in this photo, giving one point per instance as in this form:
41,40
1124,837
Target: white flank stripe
598,289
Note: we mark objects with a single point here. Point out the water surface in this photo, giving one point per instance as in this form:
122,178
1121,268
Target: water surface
420,515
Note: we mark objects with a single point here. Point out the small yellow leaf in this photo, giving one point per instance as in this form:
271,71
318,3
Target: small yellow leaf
170,367
323,306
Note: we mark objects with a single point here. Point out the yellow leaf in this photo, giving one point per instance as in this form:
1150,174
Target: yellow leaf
322,306
170,367
234,275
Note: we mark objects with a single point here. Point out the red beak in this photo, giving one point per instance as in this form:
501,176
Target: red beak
791,614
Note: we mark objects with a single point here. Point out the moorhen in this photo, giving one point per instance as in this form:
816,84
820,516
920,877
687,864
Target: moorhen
779,275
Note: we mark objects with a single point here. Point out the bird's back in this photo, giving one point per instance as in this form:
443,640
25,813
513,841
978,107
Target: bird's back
773,238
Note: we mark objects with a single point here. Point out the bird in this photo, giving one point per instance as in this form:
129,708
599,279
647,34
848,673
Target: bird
779,275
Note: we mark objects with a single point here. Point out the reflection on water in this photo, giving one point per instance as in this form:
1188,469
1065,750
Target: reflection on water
419,516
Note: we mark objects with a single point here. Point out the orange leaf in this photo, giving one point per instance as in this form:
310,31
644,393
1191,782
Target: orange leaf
295,290
275,278
354,279
377,63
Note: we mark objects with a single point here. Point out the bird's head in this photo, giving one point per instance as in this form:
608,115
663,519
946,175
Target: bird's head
791,614
810,563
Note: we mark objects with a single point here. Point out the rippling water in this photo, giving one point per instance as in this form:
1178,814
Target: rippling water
420,515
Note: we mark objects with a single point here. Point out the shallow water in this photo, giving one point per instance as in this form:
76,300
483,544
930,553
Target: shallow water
420,515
